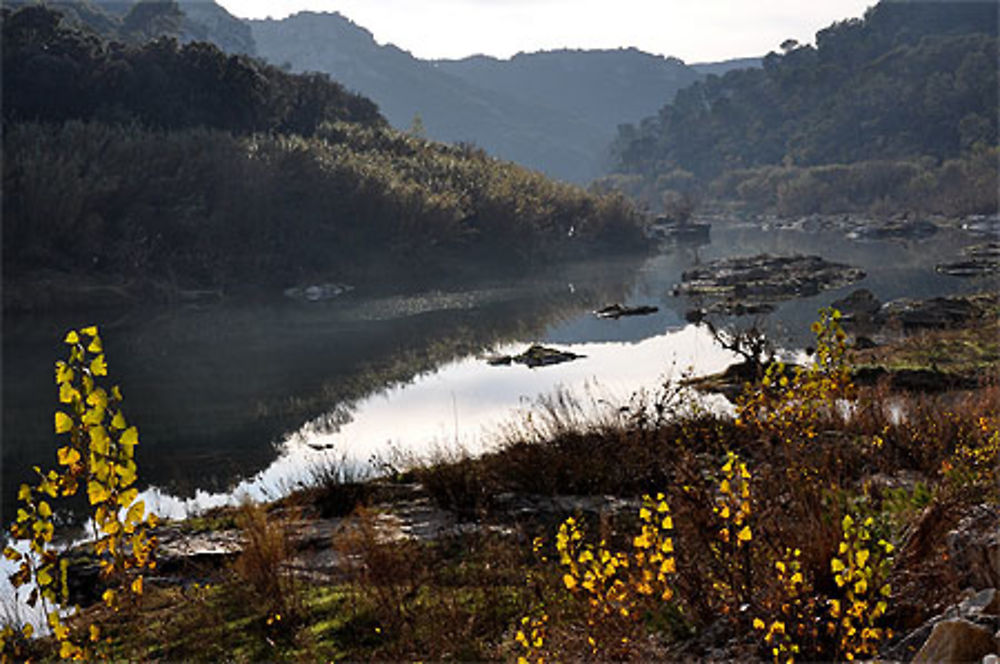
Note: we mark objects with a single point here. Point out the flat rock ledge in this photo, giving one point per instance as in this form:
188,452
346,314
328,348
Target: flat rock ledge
747,284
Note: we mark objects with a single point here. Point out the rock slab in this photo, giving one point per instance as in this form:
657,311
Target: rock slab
957,640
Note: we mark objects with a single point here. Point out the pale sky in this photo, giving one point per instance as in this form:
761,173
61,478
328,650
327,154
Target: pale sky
692,30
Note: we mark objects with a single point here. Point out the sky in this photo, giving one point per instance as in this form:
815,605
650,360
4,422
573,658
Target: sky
692,30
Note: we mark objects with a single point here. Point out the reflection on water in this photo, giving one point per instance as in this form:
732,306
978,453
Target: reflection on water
243,394
467,405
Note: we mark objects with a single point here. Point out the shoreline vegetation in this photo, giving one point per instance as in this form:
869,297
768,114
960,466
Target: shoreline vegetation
827,519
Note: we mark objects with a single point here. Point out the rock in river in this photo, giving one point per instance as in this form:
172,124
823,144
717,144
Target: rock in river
536,356
742,284
616,311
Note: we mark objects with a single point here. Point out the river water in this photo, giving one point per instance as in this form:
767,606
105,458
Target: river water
249,399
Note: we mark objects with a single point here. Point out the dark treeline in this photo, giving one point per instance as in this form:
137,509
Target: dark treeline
185,168
909,80
53,72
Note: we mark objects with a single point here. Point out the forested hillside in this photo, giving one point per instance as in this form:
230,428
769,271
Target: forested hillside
168,167
909,81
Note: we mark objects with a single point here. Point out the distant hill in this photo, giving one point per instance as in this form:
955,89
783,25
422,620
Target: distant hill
720,68
911,82
602,87
555,112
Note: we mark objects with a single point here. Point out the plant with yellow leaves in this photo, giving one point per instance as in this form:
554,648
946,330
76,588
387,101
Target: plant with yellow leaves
860,570
531,636
975,463
99,453
789,406
619,585
732,547
791,620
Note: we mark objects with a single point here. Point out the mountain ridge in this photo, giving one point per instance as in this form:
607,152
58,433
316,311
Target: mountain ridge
549,121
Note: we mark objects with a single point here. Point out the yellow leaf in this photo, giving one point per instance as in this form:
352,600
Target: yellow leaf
135,513
98,366
862,557
108,596
125,498
95,632
570,581
116,392
44,509
641,541
97,492
64,422
63,373
93,416
836,565
137,585
100,442
100,468
44,577
68,456
758,623
95,345
745,535
129,437
118,421
72,337
90,331
98,398
67,650
127,472
24,493
28,631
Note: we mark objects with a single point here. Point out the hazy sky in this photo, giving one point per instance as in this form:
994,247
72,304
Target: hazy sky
693,30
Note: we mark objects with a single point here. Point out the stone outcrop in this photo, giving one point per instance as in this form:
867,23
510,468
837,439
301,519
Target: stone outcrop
751,283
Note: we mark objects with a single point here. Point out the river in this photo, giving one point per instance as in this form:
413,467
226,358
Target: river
234,399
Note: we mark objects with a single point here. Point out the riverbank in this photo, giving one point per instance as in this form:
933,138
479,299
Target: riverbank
463,558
